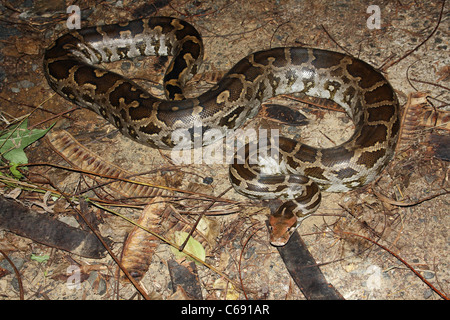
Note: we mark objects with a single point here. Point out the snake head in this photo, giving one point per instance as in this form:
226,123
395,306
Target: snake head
281,228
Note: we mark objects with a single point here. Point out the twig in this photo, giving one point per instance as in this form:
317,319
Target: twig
111,253
240,260
15,103
21,121
418,46
275,31
199,218
61,114
408,204
332,39
166,241
19,279
205,12
431,83
208,197
443,296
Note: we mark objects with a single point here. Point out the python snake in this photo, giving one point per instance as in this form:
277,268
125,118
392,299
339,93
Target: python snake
298,171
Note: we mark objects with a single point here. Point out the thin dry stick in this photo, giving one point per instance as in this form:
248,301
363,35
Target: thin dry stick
19,279
431,83
205,12
306,100
384,68
275,31
443,296
408,204
332,39
113,256
15,103
21,121
199,218
240,260
207,196
166,241
61,114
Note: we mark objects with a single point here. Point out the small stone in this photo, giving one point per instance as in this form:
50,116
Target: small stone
97,283
208,180
427,294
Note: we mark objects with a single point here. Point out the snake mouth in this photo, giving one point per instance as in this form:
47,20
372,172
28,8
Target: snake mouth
279,242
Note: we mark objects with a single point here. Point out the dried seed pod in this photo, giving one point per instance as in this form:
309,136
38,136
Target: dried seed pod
82,158
140,245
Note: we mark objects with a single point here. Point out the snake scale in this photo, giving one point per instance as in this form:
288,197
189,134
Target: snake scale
297,172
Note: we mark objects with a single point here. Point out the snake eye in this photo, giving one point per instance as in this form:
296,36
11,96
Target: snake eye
291,229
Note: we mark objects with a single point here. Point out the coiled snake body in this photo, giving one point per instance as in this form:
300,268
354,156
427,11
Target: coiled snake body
300,170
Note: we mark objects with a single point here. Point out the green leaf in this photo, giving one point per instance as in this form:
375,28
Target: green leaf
16,156
40,259
16,173
15,140
193,247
